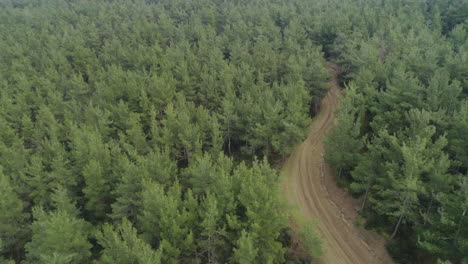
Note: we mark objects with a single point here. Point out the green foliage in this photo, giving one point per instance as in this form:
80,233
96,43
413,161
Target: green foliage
449,223
165,221
456,134
123,246
156,166
310,240
188,229
400,137
245,252
13,221
212,234
156,111
345,142
2,260
97,190
260,201
62,201
58,237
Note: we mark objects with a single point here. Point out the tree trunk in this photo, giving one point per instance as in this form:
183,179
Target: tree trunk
365,198
428,208
459,223
396,227
209,250
229,139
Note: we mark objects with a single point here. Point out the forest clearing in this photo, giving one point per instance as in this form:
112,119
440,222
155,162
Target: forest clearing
309,182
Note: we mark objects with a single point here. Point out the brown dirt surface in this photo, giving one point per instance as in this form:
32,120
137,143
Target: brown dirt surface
310,186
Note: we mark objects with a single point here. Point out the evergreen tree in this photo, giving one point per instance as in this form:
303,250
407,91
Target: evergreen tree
457,144
2,260
165,222
128,123
263,217
310,240
122,245
97,190
245,252
212,233
13,220
128,191
58,236
444,234
345,142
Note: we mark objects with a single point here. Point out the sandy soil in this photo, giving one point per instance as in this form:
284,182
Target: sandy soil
310,185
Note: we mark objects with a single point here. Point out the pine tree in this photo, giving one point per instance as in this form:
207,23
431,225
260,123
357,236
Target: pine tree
2,260
345,142
156,166
400,191
212,233
62,201
445,234
36,179
311,240
123,246
13,221
128,190
96,191
245,252
165,222
58,236
202,174
263,217
365,175
457,145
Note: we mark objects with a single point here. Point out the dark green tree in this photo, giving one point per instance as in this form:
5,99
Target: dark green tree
13,219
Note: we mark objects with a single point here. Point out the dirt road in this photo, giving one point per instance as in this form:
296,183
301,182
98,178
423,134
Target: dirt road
310,185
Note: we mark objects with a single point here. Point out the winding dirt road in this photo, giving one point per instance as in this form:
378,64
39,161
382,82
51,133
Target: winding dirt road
310,185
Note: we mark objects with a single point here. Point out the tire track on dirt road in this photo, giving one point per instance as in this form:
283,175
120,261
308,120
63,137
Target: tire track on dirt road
310,185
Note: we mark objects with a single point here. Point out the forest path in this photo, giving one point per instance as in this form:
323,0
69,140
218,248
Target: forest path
310,185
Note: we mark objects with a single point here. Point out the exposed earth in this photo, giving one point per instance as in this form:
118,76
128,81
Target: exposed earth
310,185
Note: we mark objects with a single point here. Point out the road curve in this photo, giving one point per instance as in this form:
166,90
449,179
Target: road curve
309,184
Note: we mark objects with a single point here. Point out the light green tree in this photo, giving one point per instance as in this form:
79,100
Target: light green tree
245,252
122,245
58,236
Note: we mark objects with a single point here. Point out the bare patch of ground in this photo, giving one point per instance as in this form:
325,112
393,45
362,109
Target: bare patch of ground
310,185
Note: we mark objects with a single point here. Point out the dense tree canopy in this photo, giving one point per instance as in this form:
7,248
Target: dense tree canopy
402,124
142,131
147,131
